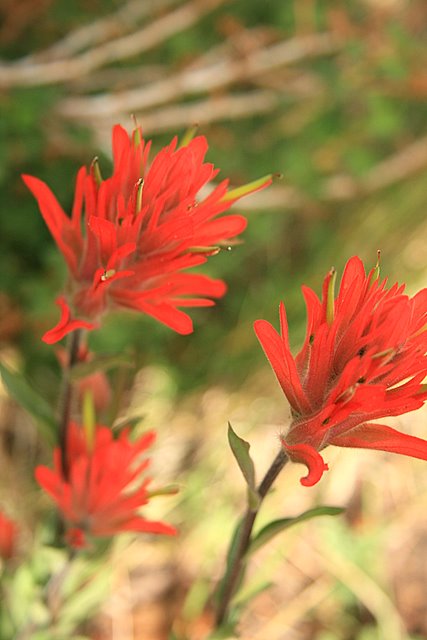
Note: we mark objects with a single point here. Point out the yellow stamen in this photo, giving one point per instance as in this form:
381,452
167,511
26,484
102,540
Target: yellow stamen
108,274
419,332
239,192
188,135
210,251
96,171
139,194
376,271
136,134
330,297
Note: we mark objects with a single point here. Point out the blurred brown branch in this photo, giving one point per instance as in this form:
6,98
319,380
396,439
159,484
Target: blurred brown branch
27,72
215,76
340,188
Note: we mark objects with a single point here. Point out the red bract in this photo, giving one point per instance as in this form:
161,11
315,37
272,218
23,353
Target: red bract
8,537
140,229
104,488
364,358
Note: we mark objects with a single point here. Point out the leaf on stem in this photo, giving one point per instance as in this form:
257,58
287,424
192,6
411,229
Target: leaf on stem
240,449
276,526
21,391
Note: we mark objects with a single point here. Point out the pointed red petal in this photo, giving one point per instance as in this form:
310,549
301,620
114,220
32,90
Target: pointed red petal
282,363
382,438
58,223
65,325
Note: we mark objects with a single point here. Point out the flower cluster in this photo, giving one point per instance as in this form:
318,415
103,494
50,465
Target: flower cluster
131,236
100,487
364,358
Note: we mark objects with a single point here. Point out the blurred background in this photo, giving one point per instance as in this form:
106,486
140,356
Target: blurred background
333,95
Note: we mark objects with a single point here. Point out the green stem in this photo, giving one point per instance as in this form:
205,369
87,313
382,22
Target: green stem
67,398
234,572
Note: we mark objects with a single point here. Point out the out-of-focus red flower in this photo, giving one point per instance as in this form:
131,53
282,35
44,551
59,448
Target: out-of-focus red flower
364,358
8,537
130,237
105,485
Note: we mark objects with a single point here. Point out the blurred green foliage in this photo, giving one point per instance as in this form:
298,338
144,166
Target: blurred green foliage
370,104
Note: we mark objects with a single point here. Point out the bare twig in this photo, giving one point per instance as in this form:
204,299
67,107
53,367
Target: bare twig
54,71
398,167
125,19
342,188
195,81
227,107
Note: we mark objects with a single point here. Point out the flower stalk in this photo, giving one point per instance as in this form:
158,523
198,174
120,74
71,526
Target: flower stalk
66,400
232,575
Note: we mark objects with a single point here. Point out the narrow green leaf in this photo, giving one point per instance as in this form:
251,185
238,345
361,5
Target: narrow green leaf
276,526
100,363
240,449
31,401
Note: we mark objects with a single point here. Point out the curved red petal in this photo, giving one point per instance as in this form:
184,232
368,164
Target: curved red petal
306,454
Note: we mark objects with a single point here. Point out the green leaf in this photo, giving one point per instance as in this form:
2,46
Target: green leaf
276,526
100,363
240,449
31,401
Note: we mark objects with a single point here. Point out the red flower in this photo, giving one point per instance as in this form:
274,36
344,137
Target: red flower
104,486
141,228
364,358
8,537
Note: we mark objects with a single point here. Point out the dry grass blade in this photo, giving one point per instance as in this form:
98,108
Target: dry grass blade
364,587
296,609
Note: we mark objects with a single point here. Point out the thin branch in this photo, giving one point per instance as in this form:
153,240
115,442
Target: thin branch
98,31
395,168
55,71
227,107
195,81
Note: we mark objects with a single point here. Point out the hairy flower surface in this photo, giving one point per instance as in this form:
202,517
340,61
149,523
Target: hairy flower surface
105,485
130,237
364,358
8,537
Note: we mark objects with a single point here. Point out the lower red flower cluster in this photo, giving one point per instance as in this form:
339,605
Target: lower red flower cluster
101,487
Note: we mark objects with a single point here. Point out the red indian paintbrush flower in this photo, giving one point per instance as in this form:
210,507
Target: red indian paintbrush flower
141,228
364,358
8,537
104,488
